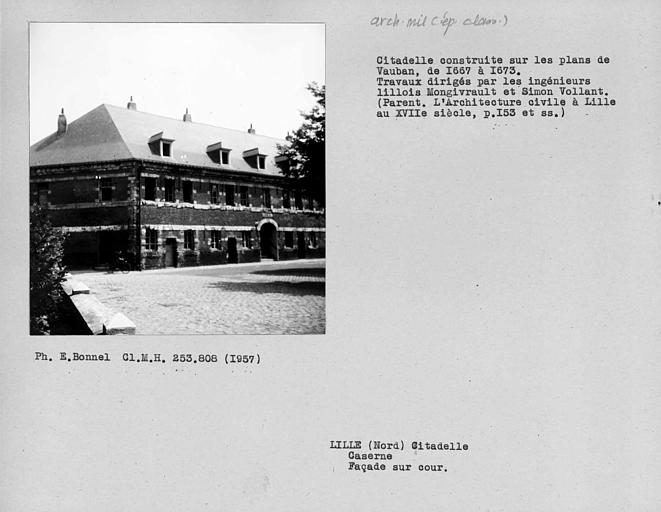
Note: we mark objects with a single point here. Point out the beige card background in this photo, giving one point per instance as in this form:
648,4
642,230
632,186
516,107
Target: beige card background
495,284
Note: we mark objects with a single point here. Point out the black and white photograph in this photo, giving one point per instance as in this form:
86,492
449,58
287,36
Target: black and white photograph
330,256
177,178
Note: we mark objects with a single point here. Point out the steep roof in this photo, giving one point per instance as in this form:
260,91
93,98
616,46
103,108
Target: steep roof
110,133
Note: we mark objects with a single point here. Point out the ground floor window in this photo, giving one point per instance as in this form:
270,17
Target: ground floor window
189,239
215,242
313,239
247,239
151,239
289,239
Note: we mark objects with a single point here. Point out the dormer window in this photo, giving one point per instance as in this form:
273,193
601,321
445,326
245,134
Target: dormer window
161,145
282,161
218,153
255,158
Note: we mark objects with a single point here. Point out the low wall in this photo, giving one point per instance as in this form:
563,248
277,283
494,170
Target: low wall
98,318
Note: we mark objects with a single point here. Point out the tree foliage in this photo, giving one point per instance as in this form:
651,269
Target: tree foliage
306,148
46,270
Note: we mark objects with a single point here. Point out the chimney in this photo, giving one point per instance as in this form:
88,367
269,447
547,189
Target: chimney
61,123
130,105
251,130
187,117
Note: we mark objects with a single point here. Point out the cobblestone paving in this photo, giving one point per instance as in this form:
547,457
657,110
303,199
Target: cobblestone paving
266,298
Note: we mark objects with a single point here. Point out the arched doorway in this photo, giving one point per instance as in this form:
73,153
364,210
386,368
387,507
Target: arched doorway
268,240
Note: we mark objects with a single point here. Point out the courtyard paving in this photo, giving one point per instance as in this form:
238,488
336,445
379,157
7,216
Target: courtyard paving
264,298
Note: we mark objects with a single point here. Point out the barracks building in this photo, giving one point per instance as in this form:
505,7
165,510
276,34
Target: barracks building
168,192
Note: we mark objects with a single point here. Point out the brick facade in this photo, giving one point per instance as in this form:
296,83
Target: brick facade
167,192
102,207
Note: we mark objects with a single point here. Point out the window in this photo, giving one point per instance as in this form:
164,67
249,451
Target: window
150,189
255,158
245,196
289,239
151,239
229,195
267,198
218,154
160,145
214,196
169,190
313,239
42,193
286,199
299,200
187,187
282,161
106,189
189,239
247,239
215,242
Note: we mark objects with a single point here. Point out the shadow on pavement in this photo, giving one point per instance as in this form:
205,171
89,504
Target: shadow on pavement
302,272
300,288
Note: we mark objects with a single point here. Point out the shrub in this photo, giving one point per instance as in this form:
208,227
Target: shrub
46,270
